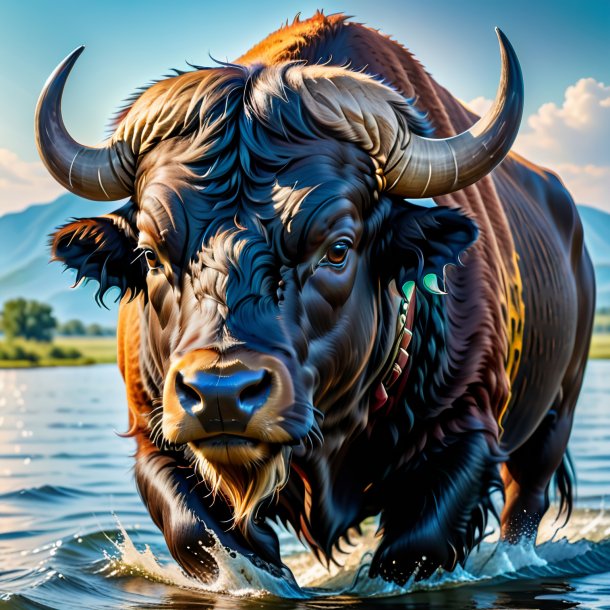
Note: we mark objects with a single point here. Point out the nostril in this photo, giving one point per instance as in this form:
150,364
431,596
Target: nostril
190,400
255,395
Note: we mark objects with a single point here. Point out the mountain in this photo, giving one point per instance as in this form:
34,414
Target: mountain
597,233
597,237
26,271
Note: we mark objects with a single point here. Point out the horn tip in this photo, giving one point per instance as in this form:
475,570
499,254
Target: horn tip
505,44
68,63
72,57
502,39
63,69
509,59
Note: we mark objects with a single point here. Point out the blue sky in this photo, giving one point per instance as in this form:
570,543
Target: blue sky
559,44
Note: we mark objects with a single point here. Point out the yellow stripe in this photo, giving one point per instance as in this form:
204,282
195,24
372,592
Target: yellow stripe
515,321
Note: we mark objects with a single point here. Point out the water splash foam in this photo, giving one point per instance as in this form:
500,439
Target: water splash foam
237,575
583,548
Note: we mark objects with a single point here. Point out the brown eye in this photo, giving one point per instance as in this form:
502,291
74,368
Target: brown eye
336,254
152,260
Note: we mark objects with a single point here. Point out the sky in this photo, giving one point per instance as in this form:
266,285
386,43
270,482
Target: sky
563,47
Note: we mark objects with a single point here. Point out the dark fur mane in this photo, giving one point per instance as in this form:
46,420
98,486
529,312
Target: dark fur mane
237,145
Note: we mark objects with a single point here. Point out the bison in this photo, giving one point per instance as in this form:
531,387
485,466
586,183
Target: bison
303,342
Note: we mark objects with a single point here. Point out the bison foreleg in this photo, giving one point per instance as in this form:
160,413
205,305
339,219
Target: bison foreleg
191,520
436,513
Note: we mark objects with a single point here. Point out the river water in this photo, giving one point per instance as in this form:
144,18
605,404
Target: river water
75,534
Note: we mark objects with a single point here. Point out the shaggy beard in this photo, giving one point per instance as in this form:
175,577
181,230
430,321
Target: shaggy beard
245,482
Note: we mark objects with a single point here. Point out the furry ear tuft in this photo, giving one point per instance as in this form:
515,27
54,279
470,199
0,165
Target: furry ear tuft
424,241
102,249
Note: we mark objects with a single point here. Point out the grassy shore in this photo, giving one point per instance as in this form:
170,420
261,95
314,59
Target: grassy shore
102,350
600,346
93,350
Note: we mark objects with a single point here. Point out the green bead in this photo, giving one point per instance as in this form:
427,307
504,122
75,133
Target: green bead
407,290
432,285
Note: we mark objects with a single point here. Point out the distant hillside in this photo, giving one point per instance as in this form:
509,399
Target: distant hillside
597,233
24,260
26,272
596,224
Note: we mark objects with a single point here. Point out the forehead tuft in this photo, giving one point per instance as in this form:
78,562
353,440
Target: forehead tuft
178,106
232,145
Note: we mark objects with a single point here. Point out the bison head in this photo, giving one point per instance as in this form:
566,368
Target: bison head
267,240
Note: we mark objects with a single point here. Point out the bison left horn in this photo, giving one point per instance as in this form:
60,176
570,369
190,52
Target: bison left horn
104,173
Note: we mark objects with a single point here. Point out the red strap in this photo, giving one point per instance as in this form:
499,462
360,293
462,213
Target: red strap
388,389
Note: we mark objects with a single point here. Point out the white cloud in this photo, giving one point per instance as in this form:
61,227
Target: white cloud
572,139
587,183
576,132
479,105
23,183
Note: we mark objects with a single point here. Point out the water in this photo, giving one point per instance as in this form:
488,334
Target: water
74,533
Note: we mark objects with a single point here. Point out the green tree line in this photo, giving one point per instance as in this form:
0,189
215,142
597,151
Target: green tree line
34,321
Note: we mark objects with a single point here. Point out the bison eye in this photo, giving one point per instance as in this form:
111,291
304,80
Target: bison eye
152,260
336,253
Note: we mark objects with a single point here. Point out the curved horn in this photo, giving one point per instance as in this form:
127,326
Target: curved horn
104,173
362,110
429,167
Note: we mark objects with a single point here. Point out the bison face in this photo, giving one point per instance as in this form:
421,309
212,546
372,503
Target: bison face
269,320
267,239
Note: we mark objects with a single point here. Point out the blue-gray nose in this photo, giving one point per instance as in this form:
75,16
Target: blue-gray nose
224,403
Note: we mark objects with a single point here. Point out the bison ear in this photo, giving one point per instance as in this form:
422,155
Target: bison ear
102,249
426,239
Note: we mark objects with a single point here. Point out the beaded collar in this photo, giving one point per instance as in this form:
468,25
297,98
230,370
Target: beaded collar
394,378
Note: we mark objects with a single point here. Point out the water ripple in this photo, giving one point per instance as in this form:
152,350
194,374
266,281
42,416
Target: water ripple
60,546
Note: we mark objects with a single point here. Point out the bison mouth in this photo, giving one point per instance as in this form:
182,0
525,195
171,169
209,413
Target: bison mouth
234,449
226,441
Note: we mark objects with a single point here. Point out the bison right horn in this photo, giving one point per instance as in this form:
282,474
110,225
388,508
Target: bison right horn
362,110
431,167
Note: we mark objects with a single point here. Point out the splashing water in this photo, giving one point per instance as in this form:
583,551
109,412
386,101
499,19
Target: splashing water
580,550
237,575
